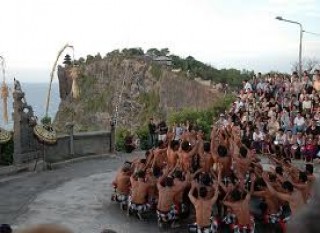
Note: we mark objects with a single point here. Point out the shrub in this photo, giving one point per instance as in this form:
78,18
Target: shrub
46,120
156,71
121,133
202,118
143,135
7,153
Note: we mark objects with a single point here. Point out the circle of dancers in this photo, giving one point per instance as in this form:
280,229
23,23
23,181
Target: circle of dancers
244,177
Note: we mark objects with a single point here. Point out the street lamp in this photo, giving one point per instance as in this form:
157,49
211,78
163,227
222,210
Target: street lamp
300,45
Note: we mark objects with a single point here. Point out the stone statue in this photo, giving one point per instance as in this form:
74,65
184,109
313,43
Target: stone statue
17,85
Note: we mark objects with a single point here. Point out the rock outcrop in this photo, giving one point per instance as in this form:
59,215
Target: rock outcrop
139,87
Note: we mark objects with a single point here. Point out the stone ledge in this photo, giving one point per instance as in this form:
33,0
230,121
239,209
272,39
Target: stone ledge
9,173
79,159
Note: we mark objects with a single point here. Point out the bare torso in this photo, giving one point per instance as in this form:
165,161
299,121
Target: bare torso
242,211
166,198
123,183
172,158
206,161
203,212
139,192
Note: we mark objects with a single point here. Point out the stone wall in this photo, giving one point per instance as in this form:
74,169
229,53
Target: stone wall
84,144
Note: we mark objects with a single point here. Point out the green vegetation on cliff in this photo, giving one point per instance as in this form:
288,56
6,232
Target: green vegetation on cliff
202,118
196,68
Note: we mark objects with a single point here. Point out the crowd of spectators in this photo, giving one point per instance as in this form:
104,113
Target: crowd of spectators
280,114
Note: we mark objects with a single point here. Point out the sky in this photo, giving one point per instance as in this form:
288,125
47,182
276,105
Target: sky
241,34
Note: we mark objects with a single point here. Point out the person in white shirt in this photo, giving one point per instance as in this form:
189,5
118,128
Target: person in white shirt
238,104
258,137
247,86
299,123
307,104
279,141
222,122
260,85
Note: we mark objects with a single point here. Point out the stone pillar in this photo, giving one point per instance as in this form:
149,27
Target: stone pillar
70,127
113,137
17,119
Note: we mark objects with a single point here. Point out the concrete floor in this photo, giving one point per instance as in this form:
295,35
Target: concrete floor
77,195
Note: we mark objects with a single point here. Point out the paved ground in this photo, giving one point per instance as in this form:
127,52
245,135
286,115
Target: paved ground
77,195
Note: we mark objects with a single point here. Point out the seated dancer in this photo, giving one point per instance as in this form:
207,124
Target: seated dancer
203,205
160,155
152,179
272,213
138,201
241,209
307,221
186,154
181,183
167,192
291,195
206,158
121,185
242,165
172,153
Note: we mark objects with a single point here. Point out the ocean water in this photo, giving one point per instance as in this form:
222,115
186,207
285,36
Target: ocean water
35,94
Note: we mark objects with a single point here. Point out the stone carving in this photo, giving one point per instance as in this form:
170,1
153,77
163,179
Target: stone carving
25,144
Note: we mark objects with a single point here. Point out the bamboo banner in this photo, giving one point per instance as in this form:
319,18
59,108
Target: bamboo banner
4,92
4,97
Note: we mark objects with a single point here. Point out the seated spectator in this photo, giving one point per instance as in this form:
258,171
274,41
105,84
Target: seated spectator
307,104
273,126
285,120
313,129
299,123
258,137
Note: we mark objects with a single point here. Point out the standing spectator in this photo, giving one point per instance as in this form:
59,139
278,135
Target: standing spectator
152,133
178,130
163,130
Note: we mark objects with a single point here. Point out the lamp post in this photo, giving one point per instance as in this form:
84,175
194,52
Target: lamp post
300,45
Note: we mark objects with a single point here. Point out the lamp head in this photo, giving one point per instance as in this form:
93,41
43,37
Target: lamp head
279,18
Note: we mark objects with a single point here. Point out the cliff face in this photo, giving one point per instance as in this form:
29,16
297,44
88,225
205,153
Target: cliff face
146,89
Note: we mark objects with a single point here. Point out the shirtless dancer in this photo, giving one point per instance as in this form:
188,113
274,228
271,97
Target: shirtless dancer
240,207
172,153
181,183
206,158
160,155
122,186
138,201
291,195
185,155
167,192
272,212
203,206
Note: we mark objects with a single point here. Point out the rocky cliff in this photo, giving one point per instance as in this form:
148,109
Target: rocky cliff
140,87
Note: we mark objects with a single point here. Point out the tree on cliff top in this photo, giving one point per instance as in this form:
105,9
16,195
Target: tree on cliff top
133,52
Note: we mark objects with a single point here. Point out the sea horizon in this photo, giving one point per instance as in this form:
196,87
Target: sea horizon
35,95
